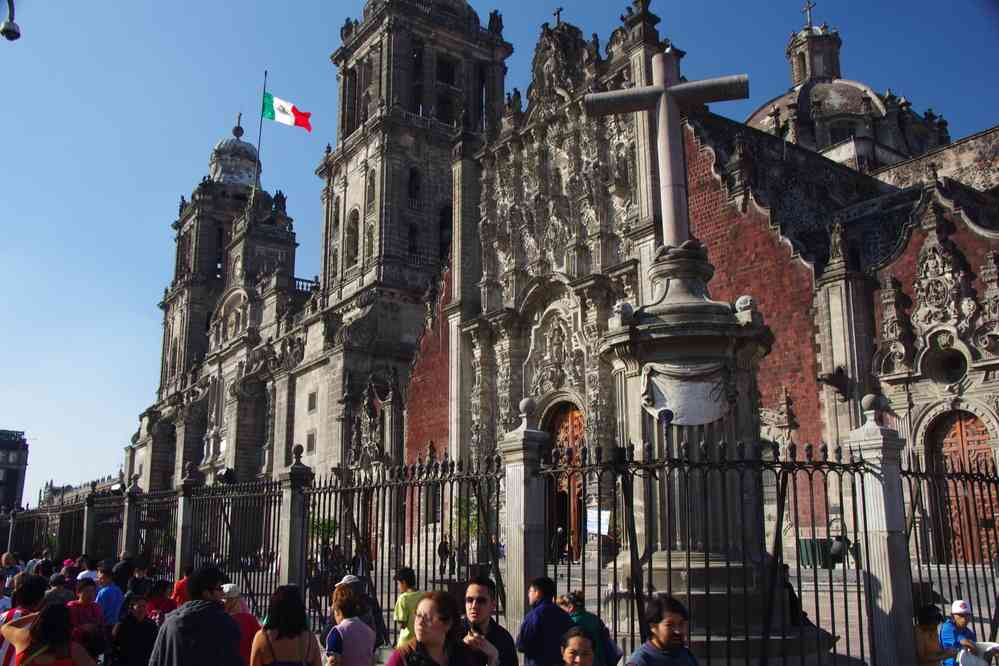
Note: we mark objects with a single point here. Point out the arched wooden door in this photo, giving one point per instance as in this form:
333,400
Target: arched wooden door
567,428
961,509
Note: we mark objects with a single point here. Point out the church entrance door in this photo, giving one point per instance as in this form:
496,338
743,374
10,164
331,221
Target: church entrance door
961,517
565,492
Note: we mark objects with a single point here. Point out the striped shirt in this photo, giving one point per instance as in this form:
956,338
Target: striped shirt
7,650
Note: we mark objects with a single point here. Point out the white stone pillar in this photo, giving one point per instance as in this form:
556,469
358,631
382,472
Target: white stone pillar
525,518
184,553
885,557
293,535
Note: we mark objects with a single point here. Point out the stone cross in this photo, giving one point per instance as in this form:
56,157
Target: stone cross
807,11
667,95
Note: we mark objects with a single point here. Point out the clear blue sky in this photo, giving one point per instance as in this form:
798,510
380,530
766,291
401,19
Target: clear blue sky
110,110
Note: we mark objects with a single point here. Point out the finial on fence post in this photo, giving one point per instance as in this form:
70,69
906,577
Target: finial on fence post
527,418
873,405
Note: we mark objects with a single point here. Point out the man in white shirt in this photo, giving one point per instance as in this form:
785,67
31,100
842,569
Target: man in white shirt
89,570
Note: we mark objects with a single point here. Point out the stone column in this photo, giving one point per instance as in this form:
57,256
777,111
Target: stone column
184,555
845,339
89,521
889,577
284,420
293,535
132,515
525,524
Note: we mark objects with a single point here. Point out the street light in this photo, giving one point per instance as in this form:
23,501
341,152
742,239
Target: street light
8,28
10,535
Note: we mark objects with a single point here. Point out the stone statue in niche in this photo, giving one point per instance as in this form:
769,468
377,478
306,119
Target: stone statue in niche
495,22
553,369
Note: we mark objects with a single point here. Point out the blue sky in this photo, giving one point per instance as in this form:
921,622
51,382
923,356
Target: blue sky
110,109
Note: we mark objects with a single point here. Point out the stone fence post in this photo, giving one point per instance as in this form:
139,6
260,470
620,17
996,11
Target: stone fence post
131,516
293,533
525,521
90,521
886,557
184,554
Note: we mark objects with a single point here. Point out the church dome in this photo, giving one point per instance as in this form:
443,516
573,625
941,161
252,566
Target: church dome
233,161
829,98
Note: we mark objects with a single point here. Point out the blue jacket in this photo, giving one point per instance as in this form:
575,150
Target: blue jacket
541,632
109,599
649,655
951,637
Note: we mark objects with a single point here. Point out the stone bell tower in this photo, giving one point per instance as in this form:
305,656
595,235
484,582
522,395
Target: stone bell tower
412,76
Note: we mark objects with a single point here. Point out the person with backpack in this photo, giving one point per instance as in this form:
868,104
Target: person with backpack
605,653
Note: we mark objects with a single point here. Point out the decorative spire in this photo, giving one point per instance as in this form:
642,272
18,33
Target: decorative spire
807,11
237,131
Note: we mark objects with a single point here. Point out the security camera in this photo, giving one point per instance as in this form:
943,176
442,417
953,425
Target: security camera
10,31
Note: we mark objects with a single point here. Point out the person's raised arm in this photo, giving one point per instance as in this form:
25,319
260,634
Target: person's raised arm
256,649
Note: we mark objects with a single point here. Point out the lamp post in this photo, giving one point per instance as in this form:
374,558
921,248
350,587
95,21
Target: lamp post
11,515
8,28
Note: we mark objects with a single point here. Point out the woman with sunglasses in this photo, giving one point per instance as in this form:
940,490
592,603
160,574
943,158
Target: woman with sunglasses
438,639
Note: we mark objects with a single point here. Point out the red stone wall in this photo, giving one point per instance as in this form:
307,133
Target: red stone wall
750,258
427,406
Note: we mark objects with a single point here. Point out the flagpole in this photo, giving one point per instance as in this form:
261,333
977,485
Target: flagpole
260,133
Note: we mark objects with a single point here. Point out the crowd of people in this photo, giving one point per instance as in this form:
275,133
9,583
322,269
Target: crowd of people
112,613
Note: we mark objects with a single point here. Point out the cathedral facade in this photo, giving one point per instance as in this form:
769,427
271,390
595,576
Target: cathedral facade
478,242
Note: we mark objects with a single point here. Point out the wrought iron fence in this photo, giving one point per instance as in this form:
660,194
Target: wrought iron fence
235,527
157,532
759,544
109,519
440,518
58,528
32,533
69,531
951,510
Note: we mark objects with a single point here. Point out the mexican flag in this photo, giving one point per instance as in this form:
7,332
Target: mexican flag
285,113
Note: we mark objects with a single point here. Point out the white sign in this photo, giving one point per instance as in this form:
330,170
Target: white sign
598,522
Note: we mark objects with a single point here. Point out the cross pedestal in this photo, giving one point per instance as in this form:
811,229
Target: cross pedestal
671,352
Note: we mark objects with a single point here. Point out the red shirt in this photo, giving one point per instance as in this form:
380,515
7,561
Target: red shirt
81,613
159,607
248,628
180,595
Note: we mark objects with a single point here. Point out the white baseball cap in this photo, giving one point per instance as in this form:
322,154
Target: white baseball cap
349,579
231,591
960,607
